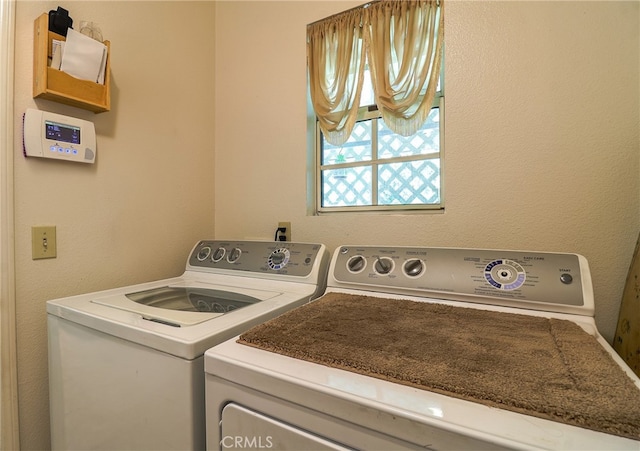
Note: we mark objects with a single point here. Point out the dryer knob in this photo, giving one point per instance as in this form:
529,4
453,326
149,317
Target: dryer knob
383,265
413,267
356,263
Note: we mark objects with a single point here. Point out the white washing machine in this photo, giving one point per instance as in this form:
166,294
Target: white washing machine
126,365
277,399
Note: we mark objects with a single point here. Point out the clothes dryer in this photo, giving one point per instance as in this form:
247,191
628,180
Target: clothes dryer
126,365
429,348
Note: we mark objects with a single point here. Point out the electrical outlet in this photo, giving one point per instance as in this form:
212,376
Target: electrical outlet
43,242
287,233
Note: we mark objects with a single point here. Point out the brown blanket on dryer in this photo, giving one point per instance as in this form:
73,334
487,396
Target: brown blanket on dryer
542,367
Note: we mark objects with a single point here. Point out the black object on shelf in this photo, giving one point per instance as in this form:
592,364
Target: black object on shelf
59,21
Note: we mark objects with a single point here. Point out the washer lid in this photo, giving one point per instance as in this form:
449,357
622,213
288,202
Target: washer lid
177,305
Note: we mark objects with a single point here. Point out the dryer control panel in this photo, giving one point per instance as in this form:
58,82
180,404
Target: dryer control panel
538,280
258,257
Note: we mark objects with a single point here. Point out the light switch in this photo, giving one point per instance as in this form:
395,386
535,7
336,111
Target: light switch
43,242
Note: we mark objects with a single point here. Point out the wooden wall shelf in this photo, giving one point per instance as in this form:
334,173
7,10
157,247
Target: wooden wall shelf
58,86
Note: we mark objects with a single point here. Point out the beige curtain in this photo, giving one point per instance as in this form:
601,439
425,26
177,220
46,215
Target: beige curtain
336,59
405,52
402,40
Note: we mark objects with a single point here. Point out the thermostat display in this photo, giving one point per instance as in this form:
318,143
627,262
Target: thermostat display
61,132
50,135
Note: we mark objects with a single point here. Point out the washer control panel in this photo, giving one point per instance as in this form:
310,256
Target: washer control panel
487,276
266,257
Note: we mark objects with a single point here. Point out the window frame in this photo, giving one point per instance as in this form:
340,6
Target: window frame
369,112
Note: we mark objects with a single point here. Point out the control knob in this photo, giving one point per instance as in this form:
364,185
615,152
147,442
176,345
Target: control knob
279,258
203,253
383,265
413,267
356,263
234,255
218,254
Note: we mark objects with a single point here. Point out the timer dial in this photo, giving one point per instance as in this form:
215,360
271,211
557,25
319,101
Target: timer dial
278,258
505,274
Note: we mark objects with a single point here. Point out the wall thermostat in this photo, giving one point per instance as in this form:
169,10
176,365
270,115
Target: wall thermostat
50,135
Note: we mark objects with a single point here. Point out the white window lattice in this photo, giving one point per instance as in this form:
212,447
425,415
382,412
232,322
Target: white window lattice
377,168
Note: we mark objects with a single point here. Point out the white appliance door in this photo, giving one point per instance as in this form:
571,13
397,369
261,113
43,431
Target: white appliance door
247,429
179,305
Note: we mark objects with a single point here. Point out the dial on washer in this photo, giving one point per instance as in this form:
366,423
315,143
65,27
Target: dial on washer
234,255
278,258
218,254
203,253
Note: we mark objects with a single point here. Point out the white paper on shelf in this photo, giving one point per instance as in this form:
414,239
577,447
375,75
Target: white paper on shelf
57,49
103,65
83,57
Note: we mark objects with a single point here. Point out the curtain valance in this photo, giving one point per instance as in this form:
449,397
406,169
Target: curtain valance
402,43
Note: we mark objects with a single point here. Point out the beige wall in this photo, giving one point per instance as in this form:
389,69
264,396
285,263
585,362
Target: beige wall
541,137
134,215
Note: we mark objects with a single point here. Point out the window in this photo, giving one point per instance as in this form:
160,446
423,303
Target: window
377,103
376,169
